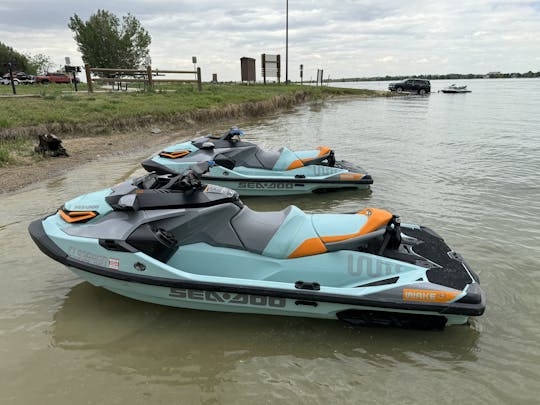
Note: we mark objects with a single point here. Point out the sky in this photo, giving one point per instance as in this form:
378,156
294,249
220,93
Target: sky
347,38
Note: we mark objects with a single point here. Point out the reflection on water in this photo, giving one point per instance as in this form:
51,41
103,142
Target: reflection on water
180,347
467,166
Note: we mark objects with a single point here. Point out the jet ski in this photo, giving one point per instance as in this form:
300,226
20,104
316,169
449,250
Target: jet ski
251,171
171,240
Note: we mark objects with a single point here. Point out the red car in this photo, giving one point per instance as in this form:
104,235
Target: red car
57,77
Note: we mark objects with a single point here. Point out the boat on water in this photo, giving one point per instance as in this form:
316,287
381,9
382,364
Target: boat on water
172,240
251,171
453,88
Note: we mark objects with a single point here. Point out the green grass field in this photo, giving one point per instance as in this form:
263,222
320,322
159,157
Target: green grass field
57,104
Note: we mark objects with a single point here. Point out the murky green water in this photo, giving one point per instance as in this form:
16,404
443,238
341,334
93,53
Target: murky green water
465,165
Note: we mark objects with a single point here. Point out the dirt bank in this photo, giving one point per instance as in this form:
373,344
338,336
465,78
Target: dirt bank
83,150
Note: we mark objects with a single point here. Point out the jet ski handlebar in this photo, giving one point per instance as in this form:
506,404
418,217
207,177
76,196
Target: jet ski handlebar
229,136
190,180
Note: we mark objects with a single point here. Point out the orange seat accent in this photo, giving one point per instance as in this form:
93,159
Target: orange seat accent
174,155
76,216
376,219
296,164
323,150
309,247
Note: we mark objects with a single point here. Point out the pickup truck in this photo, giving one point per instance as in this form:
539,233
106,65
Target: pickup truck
56,77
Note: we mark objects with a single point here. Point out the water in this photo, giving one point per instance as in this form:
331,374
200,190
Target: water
467,165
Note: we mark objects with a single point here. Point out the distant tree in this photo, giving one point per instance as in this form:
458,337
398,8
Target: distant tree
39,63
20,61
106,42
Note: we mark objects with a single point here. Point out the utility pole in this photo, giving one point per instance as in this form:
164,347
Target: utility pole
287,43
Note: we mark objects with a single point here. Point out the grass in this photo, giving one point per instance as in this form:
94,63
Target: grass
12,150
56,106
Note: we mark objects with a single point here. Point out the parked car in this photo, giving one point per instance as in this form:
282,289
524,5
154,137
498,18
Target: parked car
420,86
7,80
18,78
56,77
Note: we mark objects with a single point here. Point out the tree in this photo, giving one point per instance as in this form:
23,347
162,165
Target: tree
106,42
20,62
40,63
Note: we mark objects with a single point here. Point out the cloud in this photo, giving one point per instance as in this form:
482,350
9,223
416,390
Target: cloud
346,38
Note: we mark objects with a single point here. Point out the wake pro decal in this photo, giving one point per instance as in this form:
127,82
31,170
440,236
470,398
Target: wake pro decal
229,298
428,295
266,186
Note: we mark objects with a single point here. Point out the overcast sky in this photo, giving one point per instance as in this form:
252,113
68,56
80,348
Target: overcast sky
347,38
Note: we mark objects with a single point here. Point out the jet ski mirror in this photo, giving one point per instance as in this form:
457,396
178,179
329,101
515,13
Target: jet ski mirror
207,145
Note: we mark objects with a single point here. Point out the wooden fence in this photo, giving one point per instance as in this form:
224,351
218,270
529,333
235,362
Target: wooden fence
145,76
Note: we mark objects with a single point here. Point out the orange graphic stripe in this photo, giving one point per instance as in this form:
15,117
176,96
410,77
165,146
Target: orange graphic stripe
350,176
76,216
410,294
174,155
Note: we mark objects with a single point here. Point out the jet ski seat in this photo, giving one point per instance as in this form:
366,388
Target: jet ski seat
300,234
289,160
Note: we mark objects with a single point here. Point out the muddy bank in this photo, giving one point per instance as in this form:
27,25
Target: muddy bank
81,150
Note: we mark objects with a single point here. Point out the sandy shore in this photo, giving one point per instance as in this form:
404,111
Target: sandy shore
85,149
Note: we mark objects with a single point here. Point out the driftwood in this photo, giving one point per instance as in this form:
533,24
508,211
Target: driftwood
50,145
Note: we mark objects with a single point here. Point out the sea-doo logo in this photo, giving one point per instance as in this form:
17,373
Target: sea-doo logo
229,298
265,186
85,207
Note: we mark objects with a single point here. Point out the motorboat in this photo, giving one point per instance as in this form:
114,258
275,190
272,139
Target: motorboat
252,171
172,240
453,88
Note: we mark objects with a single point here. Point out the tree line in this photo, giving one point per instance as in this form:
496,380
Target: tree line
31,64
104,40
449,76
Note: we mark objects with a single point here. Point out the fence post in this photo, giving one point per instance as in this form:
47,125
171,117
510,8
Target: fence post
89,83
199,84
149,74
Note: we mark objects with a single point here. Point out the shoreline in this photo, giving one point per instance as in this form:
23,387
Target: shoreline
85,146
82,150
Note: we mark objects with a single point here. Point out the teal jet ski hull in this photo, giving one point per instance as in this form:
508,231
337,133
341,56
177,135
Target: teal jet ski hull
203,249
251,171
